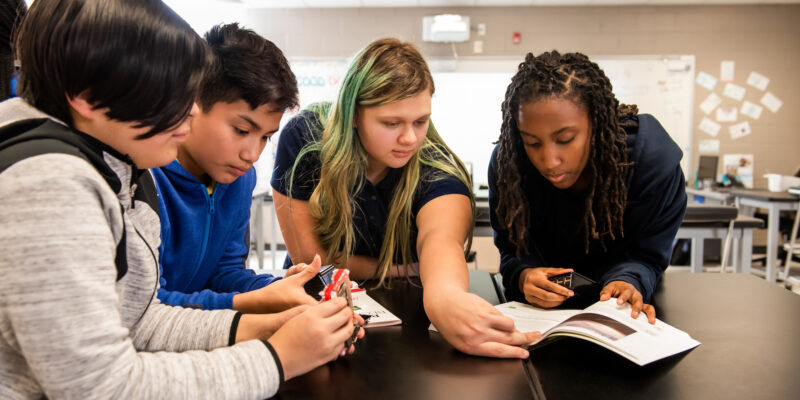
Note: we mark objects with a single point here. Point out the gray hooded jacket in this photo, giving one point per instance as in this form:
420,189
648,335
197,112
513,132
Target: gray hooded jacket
70,327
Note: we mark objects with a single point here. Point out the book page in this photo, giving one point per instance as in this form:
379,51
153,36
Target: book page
528,318
607,324
612,324
378,314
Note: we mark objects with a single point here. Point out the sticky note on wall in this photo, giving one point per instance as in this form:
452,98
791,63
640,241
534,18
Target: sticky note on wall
710,103
772,102
740,130
706,80
734,91
751,110
726,70
710,127
757,81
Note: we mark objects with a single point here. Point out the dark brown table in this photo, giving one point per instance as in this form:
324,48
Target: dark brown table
410,362
749,330
750,335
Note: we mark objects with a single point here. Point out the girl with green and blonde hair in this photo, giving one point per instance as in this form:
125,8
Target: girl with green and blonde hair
368,184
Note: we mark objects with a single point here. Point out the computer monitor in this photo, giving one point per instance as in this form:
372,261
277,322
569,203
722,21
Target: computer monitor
707,168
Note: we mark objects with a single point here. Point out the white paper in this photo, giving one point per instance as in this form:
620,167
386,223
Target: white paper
710,127
378,315
757,81
709,146
678,65
740,130
726,70
606,324
752,110
727,114
734,91
706,80
739,166
771,101
710,103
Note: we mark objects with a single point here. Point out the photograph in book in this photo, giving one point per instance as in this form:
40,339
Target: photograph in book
599,324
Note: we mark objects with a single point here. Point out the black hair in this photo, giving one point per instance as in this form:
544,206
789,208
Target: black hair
573,77
137,58
249,67
11,11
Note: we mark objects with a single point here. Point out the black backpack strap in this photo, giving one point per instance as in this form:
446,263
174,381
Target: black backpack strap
146,190
29,138
32,142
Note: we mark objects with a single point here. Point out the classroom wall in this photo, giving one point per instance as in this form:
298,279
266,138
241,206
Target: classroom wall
764,38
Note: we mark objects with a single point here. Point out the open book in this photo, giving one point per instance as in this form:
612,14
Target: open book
369,309
604,323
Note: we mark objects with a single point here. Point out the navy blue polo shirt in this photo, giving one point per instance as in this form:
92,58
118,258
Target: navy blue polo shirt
372,202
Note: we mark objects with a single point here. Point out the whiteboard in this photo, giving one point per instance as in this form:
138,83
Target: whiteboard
470,91
466,105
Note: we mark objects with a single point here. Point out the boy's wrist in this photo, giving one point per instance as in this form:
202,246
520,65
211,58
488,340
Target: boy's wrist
245,329
257,301
247,302
255,326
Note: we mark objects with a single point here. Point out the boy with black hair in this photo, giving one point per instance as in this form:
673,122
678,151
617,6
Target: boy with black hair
205,195
107,87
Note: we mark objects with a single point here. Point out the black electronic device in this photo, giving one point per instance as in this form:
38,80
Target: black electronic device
318,283
586,290
571,280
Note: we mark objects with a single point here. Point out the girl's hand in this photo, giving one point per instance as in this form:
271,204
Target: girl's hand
625,292
472,325
539,290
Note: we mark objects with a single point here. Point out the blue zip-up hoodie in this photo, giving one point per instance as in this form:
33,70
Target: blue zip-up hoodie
204,239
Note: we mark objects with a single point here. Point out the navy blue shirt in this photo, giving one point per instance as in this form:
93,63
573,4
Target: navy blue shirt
371,209
653,213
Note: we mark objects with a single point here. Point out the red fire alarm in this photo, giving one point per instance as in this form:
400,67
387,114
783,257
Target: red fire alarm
516,38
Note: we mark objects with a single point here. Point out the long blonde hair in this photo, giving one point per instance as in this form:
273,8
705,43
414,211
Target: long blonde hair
385,71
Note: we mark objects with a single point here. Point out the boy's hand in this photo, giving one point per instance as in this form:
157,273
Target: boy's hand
314,337
281,294
295,269
262,326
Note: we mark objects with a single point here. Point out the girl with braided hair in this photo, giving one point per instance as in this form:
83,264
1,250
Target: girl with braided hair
580,182
368,184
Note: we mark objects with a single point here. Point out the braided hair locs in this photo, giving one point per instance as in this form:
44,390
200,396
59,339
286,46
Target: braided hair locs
573,77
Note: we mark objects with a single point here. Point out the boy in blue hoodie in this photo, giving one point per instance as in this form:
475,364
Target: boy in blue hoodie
205,195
